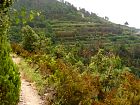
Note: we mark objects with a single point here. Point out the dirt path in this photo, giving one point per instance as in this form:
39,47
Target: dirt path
28,95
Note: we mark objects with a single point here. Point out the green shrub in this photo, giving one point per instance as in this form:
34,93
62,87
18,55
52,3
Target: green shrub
128,92
108,67
9,76
71,87
9,81
30,39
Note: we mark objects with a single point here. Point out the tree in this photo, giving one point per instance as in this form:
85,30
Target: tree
9,76
108,68
126,23
30,39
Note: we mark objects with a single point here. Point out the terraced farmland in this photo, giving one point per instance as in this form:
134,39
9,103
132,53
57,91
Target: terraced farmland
69,33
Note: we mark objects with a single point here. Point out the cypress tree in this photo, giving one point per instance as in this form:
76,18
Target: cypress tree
9,75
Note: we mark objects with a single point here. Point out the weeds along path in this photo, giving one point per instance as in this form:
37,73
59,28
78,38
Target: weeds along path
28,95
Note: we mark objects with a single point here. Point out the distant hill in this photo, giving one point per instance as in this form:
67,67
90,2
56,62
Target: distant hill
59,10
71,25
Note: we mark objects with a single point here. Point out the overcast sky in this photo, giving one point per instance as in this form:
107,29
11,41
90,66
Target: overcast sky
118,11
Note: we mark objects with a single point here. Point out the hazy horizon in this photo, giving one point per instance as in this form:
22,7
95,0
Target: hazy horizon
118,11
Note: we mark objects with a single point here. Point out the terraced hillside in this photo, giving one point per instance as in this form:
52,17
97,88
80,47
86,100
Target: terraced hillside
72,26
89,33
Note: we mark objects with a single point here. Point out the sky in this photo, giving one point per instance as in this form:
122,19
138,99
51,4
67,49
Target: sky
118,11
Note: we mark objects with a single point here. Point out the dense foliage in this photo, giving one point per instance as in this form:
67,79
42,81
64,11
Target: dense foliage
104,81
9,76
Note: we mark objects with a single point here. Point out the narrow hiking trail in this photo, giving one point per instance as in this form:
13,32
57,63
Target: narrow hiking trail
28,94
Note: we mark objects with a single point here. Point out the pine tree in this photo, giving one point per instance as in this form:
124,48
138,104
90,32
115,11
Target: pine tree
9,76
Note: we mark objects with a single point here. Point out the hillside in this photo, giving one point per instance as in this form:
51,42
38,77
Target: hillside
71,25
56,10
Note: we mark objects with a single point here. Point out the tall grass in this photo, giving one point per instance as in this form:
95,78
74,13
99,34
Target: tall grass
32,75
